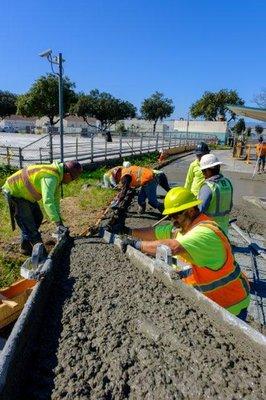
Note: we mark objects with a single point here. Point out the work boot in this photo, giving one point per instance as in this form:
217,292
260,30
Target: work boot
26,247
142,209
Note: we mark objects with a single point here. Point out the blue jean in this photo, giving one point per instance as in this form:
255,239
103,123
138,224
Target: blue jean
243,314
148,191
29,217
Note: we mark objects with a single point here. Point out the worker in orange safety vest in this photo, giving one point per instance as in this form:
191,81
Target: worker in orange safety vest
202,245
138,177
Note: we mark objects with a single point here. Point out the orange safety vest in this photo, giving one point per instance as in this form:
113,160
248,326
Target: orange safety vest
226,286
140,176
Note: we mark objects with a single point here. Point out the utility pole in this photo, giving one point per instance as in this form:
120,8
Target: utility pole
58,60
61,106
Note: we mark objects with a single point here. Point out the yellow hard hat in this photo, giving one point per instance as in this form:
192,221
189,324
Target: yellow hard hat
179,199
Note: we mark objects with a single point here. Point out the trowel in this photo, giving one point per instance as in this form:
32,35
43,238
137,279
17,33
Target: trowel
31,268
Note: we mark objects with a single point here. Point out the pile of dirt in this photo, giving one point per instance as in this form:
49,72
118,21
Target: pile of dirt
114,332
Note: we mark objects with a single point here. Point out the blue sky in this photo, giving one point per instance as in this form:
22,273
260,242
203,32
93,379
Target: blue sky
133,48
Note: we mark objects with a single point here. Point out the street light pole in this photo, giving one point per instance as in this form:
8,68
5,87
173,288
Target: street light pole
61,106
58,60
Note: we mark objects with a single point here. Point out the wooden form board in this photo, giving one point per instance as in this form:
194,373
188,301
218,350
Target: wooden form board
18,294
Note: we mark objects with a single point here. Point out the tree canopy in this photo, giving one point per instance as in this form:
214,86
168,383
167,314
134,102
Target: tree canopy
212,105
104,107
42,99
156,107
259,129
240,126
7,103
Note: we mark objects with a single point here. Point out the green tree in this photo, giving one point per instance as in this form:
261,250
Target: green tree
248,132
258,129
7,103
42,98
240,126
104,107
212,105
156,107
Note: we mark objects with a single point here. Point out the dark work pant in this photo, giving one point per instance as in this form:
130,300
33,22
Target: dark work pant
29,217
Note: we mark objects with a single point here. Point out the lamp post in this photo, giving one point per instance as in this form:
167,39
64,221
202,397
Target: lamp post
58,60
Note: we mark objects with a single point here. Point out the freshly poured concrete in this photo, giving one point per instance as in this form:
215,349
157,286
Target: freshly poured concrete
113,332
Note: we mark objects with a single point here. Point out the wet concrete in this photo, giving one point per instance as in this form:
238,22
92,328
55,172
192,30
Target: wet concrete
112,331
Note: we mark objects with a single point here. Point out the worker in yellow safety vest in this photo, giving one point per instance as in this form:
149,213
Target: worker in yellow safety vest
138,177
201,244
216,193
26,187
195,178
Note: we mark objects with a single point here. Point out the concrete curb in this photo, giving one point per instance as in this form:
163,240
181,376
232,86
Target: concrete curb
18,347
219,315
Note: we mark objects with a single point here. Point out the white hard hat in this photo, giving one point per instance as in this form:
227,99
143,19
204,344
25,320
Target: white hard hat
126,164
209,161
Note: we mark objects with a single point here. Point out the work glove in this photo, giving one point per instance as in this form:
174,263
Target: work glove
131,242
62,230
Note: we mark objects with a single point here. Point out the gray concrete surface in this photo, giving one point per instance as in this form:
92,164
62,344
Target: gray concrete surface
112,331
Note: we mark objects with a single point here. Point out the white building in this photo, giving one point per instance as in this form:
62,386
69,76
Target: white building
18,123
141,125
219,129
72,124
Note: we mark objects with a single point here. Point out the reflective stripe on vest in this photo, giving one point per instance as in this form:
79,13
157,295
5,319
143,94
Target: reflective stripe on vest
25,175
221,282
227,286
26,180
140,176
222,198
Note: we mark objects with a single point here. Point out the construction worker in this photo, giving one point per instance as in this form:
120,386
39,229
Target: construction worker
26,187
216,193
161,179
109,176
138,177
213,270
261,153
195,177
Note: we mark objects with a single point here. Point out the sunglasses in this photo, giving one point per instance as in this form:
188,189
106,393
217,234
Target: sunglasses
177,214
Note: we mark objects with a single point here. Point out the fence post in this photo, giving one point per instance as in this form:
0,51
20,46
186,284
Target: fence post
157,139
20,157
141,143
105,149
163,141
170,140
132,143
149,142
40,154
120,145
51,158
92,149
77,148
8,156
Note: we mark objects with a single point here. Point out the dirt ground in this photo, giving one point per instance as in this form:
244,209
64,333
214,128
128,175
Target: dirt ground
113,332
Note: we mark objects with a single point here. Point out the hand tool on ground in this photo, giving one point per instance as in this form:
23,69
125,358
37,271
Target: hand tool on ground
248,239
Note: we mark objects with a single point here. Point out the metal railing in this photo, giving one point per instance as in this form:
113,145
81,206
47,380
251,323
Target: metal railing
46,149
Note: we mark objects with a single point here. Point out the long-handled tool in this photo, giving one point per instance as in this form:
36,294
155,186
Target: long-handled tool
248,239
